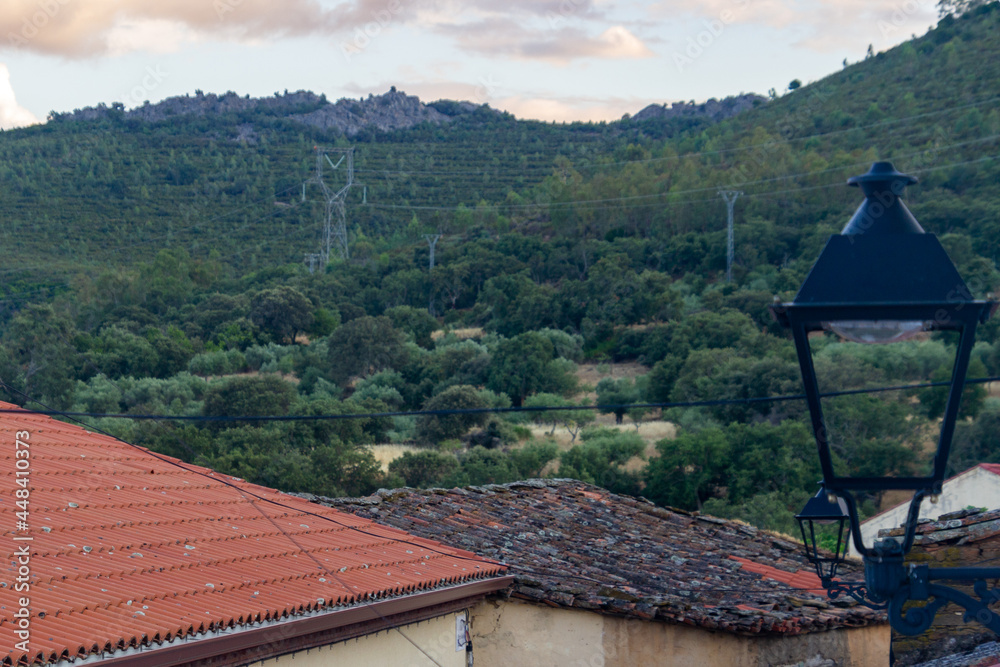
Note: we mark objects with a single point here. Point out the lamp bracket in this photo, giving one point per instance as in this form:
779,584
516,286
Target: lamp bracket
856,590
916,619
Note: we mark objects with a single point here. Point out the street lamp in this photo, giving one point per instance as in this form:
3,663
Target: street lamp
880,281
824,509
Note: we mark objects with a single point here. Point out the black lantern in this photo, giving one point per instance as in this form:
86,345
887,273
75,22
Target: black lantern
883,280
825,509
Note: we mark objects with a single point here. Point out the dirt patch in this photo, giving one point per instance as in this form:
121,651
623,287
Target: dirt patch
288,377
387,453
591,374
651,431
462,334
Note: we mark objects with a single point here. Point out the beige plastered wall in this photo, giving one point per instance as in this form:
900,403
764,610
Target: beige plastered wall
511,632
436,637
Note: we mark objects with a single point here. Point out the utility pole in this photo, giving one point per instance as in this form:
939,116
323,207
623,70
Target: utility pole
729,196
432,240
311,259
335,220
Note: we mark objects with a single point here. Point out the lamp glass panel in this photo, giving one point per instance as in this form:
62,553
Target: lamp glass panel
877,332
883,433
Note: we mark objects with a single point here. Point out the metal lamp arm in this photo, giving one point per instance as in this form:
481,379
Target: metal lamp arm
852,511
916,620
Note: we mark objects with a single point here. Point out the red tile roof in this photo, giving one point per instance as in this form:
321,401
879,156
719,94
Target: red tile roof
129,548
991,467
573,544
806,580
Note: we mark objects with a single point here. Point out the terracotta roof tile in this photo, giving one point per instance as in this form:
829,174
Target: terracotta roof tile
572,544
130,550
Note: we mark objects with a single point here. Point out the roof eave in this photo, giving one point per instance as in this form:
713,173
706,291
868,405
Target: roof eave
297,634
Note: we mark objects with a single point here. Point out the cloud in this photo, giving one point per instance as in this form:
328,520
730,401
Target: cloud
11,114
553,30
570,108
75,28
818,25
489,90
505,37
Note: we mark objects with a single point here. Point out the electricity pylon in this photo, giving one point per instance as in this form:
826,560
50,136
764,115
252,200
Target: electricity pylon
729,196
432,240
335,221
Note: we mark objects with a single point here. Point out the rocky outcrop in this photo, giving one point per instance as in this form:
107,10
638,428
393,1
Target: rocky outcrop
201,104
713,109
392,111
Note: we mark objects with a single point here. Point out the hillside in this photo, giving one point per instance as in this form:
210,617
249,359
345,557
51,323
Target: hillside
225,173
153,265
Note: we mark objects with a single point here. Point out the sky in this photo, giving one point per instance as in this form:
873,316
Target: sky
553,60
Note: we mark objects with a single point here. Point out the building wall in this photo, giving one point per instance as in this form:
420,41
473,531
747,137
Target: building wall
975,487
511,632
436,637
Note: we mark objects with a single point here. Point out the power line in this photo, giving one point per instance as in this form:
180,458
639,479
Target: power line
245,492
479,559
472,411
585,203
772,589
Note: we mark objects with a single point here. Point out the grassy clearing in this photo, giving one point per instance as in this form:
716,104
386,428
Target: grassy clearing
591,374
387,453
462,334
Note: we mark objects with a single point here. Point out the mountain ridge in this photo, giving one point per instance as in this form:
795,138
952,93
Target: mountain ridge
387,112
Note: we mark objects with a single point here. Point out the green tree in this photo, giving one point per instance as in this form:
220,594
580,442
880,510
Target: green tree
414,321
258,395
525,365
41,360
424,469
282,312
976,442
435,428
530,459
958,7
935,399
364,346
600,460
118,352
618,392
324,322
546,417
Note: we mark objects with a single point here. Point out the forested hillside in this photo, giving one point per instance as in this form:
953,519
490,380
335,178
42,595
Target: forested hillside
153,265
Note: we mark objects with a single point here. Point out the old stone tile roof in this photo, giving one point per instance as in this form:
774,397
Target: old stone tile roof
954,528
131,549
985,655
572,544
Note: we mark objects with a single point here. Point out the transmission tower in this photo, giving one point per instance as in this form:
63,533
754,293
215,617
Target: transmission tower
432,240
729,196
335,221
